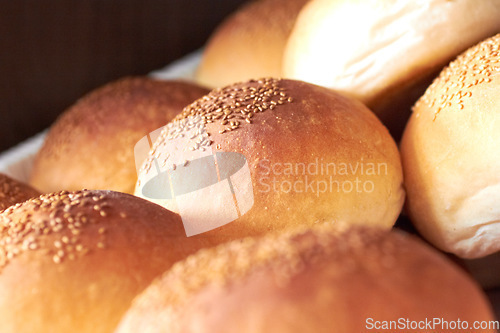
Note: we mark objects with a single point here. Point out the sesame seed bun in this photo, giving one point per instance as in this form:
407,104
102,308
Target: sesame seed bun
92,144
316,280
73,261
249,44
450,155
13,191
384,53
285,149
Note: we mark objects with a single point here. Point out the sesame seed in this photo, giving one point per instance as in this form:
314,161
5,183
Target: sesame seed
472,68
53,214
223,107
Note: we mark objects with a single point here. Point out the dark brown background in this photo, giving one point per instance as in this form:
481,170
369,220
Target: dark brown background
54,51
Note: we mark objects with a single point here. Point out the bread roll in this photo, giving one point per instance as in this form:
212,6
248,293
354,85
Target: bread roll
73,261
384,53
319,280
450,155
265,155
249,44
92,144
13,191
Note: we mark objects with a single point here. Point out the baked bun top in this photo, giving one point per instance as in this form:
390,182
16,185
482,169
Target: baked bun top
450,155
92,144
377,51
282,148
249,44
317,280
13,191
73,261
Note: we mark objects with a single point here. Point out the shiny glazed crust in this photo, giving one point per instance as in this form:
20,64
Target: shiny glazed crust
292,134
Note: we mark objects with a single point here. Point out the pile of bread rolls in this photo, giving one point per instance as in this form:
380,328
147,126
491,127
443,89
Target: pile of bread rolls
262,196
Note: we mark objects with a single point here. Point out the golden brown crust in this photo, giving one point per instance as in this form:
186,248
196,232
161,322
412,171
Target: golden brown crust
249,44
320,280
450,155
92,144
13,191
344,144
73,261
